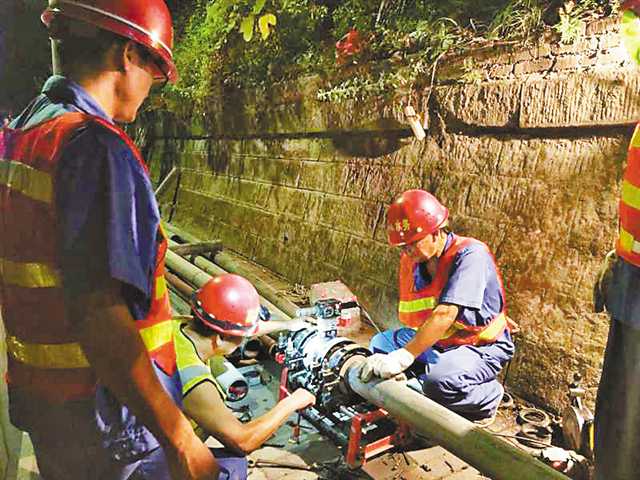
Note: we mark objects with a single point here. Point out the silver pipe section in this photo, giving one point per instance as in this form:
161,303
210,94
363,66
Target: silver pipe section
230,264
204,270
489,454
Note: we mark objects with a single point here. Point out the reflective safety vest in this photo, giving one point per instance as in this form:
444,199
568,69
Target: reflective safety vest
628,244
192,370
415,306
44,359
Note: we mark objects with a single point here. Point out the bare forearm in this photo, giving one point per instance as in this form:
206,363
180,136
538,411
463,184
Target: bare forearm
258,431
114,348
433,329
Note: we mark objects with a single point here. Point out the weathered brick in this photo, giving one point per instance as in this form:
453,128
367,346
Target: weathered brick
286,200
604,25
500,71
350,215
609,40
583,45
567,62
532,66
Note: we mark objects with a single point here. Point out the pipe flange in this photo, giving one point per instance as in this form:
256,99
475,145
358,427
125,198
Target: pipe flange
534,416
534,436
507,401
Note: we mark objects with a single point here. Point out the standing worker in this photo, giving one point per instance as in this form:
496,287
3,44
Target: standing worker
225,311
617,416
453,305
82,255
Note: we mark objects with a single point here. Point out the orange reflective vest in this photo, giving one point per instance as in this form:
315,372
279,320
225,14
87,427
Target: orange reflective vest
628,244
415,306
44,359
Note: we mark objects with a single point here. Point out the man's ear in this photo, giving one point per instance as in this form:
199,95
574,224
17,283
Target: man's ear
123,55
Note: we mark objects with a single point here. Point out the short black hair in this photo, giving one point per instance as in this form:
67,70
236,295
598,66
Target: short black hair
81,46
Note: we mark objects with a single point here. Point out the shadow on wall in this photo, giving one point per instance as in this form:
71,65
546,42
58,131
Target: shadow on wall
373,139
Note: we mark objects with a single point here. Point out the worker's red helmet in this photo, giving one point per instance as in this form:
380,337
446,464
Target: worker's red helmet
631,5
414,215
147,22
228,304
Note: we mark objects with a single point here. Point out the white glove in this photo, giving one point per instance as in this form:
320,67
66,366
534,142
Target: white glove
386,365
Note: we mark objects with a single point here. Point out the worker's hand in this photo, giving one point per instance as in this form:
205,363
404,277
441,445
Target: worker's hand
386,365
302,398
601,287
192,460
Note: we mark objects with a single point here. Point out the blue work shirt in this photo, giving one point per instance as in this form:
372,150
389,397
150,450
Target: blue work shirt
108,223
473,286
108,217
623,300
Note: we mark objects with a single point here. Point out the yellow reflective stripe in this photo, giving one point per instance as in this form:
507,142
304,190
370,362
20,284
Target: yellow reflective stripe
29,275
157,335
412,306
628,243
635,140
494,328
39,355
489,333
161,287
630,194
195,380
22,178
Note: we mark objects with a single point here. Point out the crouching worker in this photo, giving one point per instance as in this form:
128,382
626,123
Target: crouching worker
453,305
225,311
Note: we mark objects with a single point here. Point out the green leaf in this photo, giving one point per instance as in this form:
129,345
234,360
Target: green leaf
246,27
264,22
258,6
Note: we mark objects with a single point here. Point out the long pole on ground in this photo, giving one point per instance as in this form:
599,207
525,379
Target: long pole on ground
487,453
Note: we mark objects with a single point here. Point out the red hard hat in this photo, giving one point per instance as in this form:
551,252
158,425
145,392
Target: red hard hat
414,215
147,22
228,304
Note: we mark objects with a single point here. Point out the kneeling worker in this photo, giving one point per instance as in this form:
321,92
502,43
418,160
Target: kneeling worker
225,311
453,304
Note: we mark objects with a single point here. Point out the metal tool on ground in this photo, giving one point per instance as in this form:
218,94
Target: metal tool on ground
577,420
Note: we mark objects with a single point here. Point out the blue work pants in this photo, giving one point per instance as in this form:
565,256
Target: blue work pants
462,379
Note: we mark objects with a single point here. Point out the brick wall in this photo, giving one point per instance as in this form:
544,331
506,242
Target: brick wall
529,160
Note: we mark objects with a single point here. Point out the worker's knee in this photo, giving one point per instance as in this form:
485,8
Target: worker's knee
444,387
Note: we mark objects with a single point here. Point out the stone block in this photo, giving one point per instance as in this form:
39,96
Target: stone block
609,40
605,25
350,215
532,66
493,104
321,176
286,200
371,259
567,62
583,45
606,98
500,71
